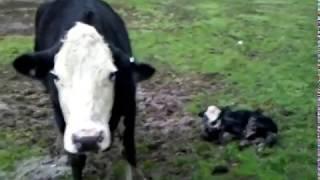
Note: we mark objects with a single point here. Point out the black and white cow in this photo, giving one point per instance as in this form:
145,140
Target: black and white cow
84,58
251,127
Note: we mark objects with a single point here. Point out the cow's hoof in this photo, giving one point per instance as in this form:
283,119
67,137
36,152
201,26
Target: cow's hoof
260,147
243,144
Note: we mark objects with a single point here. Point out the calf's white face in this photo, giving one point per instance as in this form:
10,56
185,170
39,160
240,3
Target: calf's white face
213,113
85,72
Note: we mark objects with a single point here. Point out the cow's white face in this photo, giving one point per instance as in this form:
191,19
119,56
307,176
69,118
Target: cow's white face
213,113
85,82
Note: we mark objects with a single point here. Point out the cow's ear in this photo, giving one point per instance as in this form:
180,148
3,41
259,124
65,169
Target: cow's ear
34,65
201,114
258,111
226,108
143,71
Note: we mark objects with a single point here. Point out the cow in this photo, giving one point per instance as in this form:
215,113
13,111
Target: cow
220,124
83,56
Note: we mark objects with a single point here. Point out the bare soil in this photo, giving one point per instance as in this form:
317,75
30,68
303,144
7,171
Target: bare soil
162,122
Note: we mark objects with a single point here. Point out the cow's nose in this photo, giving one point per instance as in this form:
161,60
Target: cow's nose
87,143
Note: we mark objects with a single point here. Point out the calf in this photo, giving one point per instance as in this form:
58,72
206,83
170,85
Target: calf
84,58
221,124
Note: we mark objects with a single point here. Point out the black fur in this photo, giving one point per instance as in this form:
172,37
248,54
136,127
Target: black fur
53,19
241,124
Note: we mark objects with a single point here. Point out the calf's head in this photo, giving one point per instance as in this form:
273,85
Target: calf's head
211,122
210,117
85,71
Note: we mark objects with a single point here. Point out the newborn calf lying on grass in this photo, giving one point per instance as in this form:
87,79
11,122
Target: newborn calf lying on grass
251,127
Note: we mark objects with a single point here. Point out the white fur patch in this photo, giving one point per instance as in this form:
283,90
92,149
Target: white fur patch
212,113
129,175
131,59
86,93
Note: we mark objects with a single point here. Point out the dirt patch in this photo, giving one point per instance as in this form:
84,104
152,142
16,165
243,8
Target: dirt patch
162,120
17,16
162,100
42,168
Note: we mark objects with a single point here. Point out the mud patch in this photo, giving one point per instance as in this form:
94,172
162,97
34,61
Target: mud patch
26,109
42,168
17,17
162,100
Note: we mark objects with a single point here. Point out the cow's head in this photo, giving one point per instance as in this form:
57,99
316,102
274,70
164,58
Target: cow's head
85,73
212,122
210,116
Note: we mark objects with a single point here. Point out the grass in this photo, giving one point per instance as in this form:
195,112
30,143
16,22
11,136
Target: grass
274,69
10,46
12,151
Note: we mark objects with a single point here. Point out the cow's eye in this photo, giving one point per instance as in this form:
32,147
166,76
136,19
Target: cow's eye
54,76
112,76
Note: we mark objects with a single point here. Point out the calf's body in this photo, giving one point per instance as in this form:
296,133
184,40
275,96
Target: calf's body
251,127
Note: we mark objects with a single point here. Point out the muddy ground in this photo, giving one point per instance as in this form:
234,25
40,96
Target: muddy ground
162,123
164,129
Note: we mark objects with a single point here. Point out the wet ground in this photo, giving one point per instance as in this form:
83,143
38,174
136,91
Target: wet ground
162,122
16,16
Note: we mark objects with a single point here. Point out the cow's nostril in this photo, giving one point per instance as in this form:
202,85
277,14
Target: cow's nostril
87,143
75,138
78,145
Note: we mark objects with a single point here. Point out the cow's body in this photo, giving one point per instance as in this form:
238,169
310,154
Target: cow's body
221,124
53,19
57,18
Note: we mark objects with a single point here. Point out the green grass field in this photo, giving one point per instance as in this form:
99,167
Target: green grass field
274,69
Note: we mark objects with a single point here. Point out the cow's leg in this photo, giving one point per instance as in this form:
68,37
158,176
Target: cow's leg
77,164
131,170
129,151
129,175
59,121
225,137
271,139
244,143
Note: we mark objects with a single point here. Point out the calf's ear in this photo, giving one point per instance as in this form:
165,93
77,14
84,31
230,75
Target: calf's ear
34,65
225,108
258,111
201,114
